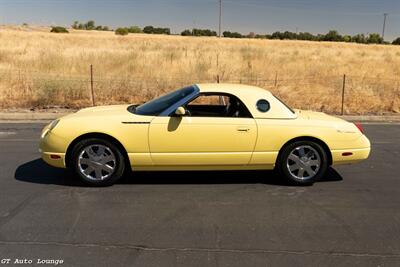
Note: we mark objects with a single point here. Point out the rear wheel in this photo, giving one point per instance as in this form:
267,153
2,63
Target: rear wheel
97,162
303,162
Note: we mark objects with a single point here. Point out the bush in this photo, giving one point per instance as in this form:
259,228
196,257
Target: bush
121,31
59,29
199,32
232,34
153,30
134,29
397,41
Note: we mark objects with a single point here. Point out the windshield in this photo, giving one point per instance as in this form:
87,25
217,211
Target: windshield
158,105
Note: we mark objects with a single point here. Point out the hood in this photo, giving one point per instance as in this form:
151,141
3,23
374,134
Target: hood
118,112
108,109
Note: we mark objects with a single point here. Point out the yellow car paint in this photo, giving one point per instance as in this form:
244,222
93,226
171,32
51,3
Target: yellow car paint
207,143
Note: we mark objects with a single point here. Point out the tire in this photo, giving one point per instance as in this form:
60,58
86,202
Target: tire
302,162
97,162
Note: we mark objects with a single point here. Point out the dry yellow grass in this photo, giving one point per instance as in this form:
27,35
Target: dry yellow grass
38,68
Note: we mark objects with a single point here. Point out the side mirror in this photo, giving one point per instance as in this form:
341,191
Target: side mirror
180,111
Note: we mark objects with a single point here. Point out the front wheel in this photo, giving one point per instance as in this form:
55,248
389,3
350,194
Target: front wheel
97,162
303,162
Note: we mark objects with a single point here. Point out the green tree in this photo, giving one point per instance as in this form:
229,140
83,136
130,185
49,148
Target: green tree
277,35
333,36
374,38
90,25
347,38
148,29
396,41
359,38
203,32
306,36
135,29
229,34
121,31
186,33
75,25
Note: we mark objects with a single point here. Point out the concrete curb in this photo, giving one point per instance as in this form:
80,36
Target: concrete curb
31,116
371,118
48,116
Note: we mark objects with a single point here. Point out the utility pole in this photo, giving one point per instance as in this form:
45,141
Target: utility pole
220,18
384,25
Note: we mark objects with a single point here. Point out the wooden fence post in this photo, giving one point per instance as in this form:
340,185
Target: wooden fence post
343,90
218,67
91,84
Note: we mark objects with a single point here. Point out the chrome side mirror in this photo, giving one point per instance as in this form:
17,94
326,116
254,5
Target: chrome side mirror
180,111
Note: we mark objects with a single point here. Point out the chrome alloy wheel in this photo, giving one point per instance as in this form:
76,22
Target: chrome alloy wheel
97,162
303,162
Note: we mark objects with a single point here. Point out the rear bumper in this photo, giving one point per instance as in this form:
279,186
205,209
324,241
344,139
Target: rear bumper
349,156
359,150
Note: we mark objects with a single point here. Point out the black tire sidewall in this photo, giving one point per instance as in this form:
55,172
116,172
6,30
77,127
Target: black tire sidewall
120,162
289,148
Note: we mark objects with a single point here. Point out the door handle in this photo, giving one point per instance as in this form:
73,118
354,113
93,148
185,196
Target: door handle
243,129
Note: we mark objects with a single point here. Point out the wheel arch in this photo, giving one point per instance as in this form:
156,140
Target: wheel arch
324,146
104,136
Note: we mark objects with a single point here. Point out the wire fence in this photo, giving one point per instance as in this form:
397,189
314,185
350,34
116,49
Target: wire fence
337,94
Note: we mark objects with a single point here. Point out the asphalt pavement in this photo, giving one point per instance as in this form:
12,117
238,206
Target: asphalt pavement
350,218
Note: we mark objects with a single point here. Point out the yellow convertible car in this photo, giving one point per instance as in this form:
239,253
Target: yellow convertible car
202,127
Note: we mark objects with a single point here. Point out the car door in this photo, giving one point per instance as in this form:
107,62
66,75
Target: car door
202,140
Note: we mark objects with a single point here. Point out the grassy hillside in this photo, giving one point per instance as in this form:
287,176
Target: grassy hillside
38,68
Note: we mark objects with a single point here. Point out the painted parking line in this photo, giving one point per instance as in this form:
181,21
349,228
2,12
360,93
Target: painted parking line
19,140
7,133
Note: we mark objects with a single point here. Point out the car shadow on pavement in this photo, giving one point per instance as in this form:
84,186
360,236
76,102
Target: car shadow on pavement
37,171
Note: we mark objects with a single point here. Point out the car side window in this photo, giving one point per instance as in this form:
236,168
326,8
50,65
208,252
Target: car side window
217,105
263,105
211,100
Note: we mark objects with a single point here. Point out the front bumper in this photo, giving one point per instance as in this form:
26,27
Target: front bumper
52,149
54,159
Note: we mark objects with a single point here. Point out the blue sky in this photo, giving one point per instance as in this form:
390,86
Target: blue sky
261,16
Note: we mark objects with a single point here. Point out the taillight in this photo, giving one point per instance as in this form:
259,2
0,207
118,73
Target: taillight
359,126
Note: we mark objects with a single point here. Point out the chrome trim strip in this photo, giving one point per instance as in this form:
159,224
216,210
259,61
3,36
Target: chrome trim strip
136,122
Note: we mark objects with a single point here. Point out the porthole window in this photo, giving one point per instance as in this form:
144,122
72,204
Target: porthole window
263,105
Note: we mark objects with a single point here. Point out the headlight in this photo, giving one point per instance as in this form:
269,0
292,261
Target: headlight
53,124
48,128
